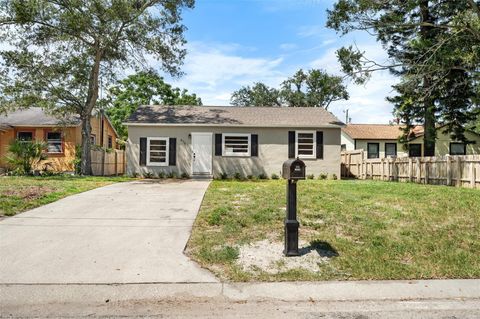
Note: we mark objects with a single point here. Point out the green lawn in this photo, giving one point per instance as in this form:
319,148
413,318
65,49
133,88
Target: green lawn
18,193
380,230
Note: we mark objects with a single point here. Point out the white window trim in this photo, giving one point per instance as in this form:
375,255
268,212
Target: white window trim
167,155
54,142
246,154
314,155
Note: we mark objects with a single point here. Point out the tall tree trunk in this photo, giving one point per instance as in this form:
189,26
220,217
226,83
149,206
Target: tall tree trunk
430,133
86,163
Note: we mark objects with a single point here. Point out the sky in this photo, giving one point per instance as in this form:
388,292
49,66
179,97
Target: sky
232,43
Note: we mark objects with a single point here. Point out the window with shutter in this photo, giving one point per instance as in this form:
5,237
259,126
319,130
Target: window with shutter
305,144
157,151
236,144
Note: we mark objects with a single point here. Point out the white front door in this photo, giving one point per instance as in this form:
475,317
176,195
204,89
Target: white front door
202,153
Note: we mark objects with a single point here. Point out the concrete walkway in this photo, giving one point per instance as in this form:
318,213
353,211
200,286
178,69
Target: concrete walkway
123,233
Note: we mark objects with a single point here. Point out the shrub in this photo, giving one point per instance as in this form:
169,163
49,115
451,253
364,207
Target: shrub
185,176
237,176
263,176
250,177
274,176
24,155
310,176
135,175
223,176
172,175
148,175
334,176
322,176
161,175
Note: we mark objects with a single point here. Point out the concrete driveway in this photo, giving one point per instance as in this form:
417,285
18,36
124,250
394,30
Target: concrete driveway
123,233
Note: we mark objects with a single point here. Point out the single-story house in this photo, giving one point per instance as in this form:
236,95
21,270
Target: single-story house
60,134
381,140
215,140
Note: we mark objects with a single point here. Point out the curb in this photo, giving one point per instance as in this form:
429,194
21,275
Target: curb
21,294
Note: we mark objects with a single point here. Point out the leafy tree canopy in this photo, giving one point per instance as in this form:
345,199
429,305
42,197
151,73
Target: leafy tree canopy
432,45
314,88
59,50
142,88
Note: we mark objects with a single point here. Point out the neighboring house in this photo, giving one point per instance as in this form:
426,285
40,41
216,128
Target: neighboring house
381,140
378,140
61,135
204,140
444,145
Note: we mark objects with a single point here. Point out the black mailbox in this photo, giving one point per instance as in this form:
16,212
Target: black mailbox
294,169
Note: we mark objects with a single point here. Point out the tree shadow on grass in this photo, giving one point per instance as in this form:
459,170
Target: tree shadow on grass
323,249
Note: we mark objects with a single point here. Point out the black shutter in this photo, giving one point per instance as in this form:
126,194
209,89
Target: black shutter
320,145
254,147
143,151
172,151
218,144
291,144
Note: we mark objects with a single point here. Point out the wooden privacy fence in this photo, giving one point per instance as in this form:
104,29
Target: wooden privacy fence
463,171
108,163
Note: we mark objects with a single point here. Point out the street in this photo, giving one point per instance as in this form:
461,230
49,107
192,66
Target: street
221,308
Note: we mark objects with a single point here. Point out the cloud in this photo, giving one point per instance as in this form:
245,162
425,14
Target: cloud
367,103
207,66
307,31
328,62
214,70
288,46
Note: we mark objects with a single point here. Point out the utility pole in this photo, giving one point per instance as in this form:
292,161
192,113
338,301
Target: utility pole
347,118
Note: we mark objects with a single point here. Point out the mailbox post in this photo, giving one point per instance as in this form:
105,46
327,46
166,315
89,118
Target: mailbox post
292,170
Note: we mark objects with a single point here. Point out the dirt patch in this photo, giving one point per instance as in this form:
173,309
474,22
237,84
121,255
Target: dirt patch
267,256
29,192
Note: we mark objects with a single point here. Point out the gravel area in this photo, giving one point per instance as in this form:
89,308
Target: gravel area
267,256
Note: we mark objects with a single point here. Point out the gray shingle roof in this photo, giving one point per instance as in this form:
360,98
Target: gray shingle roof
234,116
35,116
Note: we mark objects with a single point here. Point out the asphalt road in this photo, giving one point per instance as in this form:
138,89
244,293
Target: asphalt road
221,308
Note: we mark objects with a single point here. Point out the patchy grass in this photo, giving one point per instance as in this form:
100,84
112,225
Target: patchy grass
376,230
19,193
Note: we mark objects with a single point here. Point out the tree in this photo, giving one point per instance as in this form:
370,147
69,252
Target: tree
61,49
427,42
315,88
142,88
257,95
